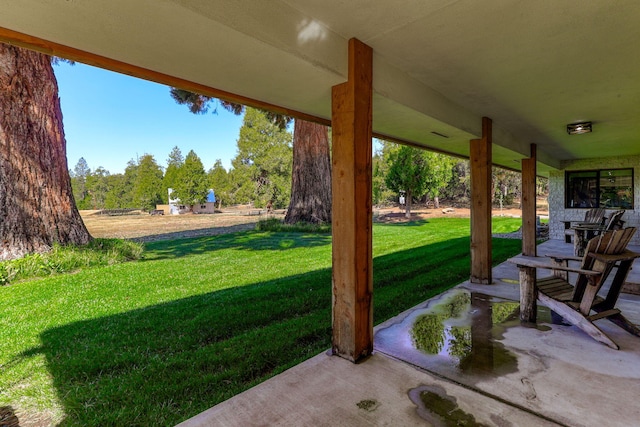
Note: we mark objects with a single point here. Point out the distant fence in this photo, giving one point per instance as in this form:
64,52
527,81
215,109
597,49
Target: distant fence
118,212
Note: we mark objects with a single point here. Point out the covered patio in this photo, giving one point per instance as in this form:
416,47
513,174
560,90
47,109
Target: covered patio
496,82
512,374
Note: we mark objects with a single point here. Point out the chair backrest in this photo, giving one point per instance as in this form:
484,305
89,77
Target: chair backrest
612,242
595,215
615,221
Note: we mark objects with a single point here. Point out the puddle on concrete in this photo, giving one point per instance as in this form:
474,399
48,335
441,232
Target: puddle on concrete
459,333
439,409
463,328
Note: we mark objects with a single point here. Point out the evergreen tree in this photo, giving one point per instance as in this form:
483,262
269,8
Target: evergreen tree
439,171
506,185
79,177
407,173
192,184
262,167
459,186
380,164
128,184
174,162
147,188
98,187
118,193
220,183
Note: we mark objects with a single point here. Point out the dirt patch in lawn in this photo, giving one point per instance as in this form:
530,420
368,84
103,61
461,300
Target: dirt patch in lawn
141,226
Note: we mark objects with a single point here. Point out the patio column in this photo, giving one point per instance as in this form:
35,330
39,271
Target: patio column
352,314
529,223
528,292
480,162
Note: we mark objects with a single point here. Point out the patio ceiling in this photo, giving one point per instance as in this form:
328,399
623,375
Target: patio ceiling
439,65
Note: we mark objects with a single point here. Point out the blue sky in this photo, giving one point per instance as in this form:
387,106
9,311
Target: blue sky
110,118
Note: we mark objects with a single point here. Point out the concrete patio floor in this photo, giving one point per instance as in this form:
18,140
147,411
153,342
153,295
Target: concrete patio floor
489,370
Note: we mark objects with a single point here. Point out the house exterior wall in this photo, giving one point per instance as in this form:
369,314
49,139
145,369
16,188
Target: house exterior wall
557,211
204,208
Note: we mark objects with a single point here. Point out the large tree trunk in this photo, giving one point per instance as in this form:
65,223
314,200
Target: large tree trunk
36,202
407,205
311,182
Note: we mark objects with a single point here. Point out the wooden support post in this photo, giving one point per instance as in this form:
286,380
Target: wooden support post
529,223
352,259
480,163
528,294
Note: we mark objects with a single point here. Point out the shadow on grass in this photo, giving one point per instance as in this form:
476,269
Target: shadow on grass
163,364
249,240
413,223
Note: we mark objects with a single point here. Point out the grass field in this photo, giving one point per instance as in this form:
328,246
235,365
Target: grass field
156,341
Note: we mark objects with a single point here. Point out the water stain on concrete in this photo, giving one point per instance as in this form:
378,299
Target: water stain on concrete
434,405
368,405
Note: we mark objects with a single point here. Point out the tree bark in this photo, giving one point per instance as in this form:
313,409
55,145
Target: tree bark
407,204
311,180
37,208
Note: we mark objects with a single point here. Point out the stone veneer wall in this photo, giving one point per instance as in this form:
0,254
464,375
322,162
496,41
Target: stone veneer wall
558,213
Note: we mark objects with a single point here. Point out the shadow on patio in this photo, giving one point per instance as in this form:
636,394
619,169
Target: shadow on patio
473,364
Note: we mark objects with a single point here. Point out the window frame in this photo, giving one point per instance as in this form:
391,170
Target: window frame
597,178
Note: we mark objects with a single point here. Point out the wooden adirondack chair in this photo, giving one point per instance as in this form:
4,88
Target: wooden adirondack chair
591,217
586,231
594,216
575,303
615,222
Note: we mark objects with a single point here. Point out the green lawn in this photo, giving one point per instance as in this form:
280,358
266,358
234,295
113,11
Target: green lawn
157,341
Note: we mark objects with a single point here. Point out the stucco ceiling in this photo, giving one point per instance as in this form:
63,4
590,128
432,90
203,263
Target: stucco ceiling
439,65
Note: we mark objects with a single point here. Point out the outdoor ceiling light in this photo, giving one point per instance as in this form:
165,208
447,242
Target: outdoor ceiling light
578,128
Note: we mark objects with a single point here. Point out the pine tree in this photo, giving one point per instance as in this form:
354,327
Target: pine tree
147,187
192,186
79,176
262,167
219,182
98,187
174,162
407,173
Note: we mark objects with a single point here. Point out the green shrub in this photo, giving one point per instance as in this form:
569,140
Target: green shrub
64,259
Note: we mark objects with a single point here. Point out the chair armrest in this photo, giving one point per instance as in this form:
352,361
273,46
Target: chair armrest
561,257
624,256
536,262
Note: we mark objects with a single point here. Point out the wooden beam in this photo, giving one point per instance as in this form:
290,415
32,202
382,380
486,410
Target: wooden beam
55,49
480,162
529,223
351,119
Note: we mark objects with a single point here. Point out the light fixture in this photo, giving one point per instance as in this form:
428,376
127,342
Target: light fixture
578,128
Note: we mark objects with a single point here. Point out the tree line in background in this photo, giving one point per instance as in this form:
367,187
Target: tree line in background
411,175
261,173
